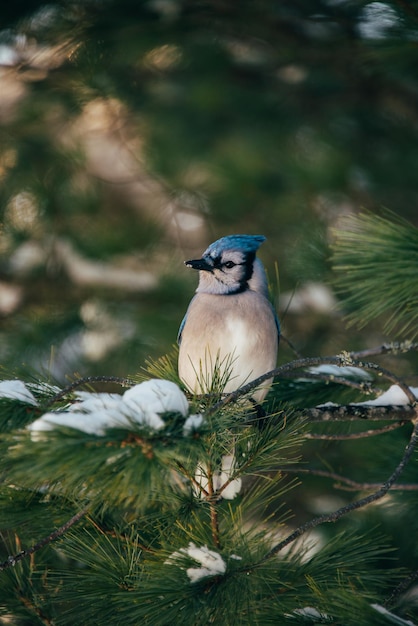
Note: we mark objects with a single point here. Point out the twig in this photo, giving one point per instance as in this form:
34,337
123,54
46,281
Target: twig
352,485
291,346
193,480
396,347
361,435
348,508
30,606
112,533
12,560
124,382
343,360
213,510
364,386
403,586
214,523
353,412
210,496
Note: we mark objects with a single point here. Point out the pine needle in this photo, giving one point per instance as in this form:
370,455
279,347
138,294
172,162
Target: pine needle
375,259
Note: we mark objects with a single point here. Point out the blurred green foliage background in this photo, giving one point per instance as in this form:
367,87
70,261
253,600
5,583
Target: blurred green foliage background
132,134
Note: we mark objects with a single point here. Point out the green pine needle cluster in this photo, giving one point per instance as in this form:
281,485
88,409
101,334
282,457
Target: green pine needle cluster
153,499
375,260
183,525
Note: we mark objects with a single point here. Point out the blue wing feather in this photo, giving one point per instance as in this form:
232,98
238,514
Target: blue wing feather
181,329
276,319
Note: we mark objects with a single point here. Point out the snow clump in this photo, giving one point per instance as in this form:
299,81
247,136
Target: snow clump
94,413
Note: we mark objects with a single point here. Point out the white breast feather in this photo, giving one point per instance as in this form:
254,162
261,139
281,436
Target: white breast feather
235,347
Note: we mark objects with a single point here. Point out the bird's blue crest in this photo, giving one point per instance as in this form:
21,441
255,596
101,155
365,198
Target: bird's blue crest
246,243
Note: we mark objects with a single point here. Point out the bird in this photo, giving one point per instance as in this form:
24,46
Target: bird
230,333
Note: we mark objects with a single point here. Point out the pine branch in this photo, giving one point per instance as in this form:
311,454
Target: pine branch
293,348
211,496
351,485
395,347
116,462
12,560
88,380
361,435
353,506
199,488
363,386
214,522
401,588
355,412
32,608
345,359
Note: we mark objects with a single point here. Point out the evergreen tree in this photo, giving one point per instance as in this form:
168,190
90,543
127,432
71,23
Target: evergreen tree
144,505
147,507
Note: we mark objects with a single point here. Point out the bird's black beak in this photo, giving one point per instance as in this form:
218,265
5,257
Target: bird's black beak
199,264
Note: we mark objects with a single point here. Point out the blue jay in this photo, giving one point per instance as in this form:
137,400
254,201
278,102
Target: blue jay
230,322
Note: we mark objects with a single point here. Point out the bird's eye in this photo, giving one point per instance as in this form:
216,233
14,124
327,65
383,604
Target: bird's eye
229,264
